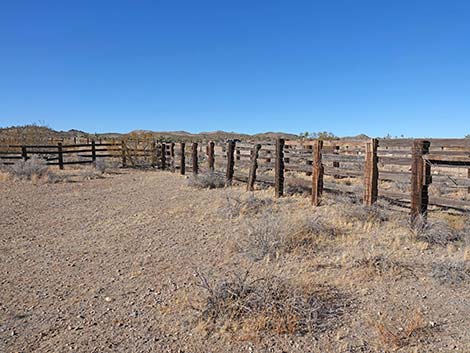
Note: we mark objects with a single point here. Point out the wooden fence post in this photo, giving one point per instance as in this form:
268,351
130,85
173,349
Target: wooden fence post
230,162
279,168
24,153
420,179
163,156
336,163
371,173
210,156
253,167
61,155
468,176
317,173
183,159
93,151
172,156
153,154
194,158
123,153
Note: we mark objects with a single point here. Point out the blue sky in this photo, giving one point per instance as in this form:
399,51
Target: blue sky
350,67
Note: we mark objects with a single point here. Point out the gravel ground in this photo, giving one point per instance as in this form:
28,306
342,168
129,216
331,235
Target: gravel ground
107,265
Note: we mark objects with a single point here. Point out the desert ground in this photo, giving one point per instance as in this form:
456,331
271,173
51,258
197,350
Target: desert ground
147,261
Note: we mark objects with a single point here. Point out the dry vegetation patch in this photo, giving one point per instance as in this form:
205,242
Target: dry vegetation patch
210,180
248,307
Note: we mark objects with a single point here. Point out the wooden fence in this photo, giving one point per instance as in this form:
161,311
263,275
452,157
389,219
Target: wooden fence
401,170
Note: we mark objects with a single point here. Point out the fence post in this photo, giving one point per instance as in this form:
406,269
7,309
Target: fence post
93,151
279,168
194,158
420,179
61,155
153,157
210,156
468,176
230,162
317,173
172,156
371,173
336,163
253,167
163,156
123,153
24,153
183,159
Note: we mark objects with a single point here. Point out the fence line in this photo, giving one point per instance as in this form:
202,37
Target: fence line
417,163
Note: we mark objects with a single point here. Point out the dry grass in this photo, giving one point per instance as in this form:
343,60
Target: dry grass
207,181
27,170
434,231
451,272
273,234
400,334
248,307
380,265
236,205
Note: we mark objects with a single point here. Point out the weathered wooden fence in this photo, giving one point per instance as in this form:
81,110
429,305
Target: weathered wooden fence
411,166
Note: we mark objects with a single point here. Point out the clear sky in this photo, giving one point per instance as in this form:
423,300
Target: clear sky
350,67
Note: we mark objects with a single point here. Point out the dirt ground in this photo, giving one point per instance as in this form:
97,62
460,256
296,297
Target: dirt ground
110,264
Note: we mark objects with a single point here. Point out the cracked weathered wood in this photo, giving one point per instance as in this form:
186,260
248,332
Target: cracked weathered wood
317,173
420,179
279,168
210,156
183,159
230,162
371,173
194,158
163,156
253,167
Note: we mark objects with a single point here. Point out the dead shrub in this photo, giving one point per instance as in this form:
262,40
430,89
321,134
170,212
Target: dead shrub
275,234
296,187
398,335
30,169
379,265
451,273
433,232
236,206
248,307
210,180
363,214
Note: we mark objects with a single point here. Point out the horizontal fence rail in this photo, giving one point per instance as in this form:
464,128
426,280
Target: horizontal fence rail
403,170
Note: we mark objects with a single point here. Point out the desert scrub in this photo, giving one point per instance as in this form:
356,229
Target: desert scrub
273,234
237,205
210,180
451,272
29,169
247,307
380,265
433,231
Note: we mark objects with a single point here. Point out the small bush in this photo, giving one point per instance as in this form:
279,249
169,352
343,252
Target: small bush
452,273
364,214
245,306
101,165
207,181
433,232
381,265
31,168
236,206
275,234
411,329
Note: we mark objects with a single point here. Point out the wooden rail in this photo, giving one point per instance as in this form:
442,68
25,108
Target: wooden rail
414,165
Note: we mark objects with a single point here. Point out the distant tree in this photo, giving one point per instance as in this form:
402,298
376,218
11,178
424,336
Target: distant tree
467,136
